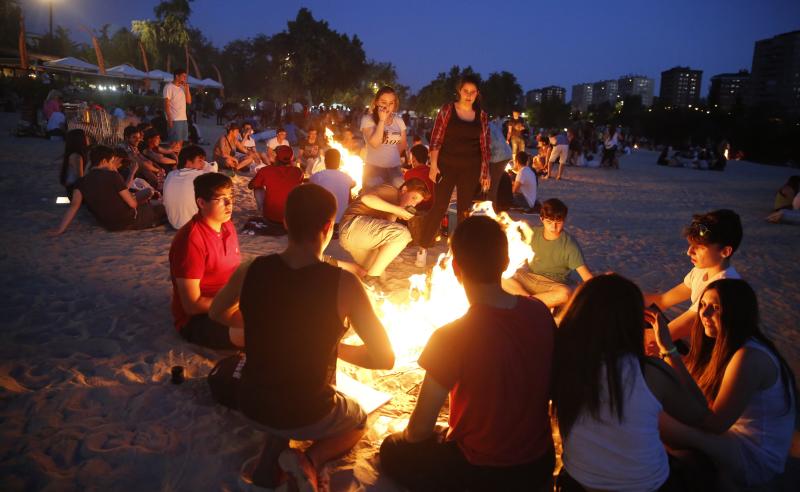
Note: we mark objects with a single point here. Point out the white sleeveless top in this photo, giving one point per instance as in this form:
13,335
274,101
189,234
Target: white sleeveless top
764,430
606,454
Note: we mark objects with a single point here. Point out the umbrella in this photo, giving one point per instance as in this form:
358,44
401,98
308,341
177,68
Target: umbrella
211,83
127,71
194,81
159,75
71,63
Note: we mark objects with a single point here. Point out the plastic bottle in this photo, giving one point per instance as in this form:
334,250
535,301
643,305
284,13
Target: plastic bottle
422,258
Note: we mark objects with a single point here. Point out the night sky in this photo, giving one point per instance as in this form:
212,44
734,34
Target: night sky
542,43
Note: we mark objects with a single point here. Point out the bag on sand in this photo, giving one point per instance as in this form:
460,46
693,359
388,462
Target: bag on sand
224,380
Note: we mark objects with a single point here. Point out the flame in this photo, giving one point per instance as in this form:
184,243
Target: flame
351,164
725,153
433,300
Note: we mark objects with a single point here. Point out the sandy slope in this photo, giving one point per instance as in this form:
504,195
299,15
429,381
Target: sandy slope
87,337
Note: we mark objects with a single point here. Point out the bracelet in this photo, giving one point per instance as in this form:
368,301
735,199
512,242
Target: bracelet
672,351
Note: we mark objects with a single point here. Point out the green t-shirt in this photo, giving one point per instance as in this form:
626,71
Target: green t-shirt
554,259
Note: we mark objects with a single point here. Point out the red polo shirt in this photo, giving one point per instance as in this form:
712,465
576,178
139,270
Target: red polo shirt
279,181
497,365
200,252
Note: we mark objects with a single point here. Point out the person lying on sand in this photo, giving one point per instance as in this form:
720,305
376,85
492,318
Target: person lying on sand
286,382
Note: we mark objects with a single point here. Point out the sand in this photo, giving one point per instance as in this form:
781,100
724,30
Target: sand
88,340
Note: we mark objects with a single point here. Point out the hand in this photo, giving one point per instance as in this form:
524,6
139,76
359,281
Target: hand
134,167
434,172
775,217
663,338
383,114
353,268
169,123
404,214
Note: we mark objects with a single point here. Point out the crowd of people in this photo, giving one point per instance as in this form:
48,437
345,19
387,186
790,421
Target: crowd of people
641,403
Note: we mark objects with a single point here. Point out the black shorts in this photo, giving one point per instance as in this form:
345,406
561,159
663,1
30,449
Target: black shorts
202,330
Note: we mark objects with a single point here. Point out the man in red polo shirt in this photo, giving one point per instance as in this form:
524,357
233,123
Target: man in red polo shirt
202,257
272,184
495,362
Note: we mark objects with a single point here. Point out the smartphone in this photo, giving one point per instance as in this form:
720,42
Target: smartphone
653,308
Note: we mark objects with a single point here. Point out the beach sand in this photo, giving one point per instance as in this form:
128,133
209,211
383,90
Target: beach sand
88,339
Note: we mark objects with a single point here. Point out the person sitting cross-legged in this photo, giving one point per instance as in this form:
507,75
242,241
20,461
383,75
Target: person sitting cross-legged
225,150
271,184
203,255
287,380
495,364
179,195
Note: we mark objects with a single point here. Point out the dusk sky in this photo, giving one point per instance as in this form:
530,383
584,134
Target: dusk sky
542,43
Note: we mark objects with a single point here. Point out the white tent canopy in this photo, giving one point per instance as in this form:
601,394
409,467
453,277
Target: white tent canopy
159,75
211,83
194,81
72,63
127,71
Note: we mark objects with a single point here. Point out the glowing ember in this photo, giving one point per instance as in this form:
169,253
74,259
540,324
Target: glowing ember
433,300
351,164
725,153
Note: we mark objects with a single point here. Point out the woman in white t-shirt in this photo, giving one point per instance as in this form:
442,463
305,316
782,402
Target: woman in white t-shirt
385,135
608,395
749,386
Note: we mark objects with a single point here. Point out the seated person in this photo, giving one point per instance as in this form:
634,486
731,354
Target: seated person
525,184
495,365
56,124
310,150
203,256
163,156
787,194
337,182
272,184
663,157
74,165
369,231
147,169
225,150
275,142
556,254
750,389
287,380
180,201
609,429
421,170
713,238
107,197
247,145
350,142
540,160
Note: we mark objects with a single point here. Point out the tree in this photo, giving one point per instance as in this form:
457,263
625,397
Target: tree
168,35
500,93
9,23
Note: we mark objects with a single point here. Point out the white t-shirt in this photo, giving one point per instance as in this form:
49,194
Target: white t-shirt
273,143
387,154
56,121
179,199
697,280
527,184
338,183
248,142
177,102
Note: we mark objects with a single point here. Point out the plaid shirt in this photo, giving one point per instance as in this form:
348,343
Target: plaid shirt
440,125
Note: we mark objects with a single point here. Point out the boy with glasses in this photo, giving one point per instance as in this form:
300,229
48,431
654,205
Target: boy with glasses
202,257
556,254
713,238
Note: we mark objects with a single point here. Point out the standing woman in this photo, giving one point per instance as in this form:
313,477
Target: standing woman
385,134
73,166
609,147
460,151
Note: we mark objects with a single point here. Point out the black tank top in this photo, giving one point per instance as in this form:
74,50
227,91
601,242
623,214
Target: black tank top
461,146
292,331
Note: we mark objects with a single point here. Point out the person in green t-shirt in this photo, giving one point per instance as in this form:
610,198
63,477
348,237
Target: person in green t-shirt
556,254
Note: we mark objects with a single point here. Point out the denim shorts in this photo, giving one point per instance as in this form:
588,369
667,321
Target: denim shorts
179,131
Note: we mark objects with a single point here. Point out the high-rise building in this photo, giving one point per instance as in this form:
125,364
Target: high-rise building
680,87
581,97
554,93
636,85
728,89
605,91
533,97
775,78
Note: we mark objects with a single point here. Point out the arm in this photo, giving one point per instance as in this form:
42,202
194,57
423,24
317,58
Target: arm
681,327
378,203
224,307
76,161
677,294
376,353
159,158
188,93
373,135
129,199
402,147
192,301
74,205
684,404
134,168
423,419
434,159
166,112
584,272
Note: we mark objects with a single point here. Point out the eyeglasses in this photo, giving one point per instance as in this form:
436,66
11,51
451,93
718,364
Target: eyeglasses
225,200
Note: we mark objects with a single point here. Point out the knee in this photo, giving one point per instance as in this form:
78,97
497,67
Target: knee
562,294
390,451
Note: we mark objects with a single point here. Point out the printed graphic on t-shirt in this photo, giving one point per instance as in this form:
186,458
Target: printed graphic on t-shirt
392,138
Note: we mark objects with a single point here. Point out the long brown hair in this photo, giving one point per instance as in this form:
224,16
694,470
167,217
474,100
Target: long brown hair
383,90
709,357
602,322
